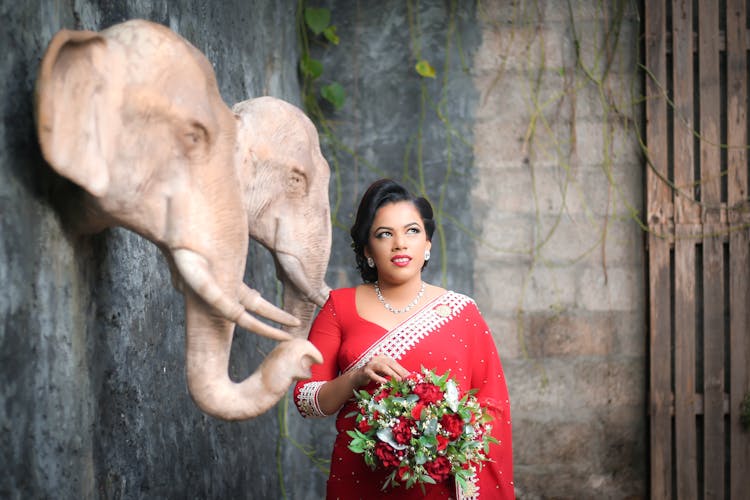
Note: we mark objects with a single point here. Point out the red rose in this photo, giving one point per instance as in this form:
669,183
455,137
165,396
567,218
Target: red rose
387,455
439,469
453,425
442,442
382,395
428,393
402,430
416,412
363,425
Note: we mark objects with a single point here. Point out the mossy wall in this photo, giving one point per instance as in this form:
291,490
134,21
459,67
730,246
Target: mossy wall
526,140
93,398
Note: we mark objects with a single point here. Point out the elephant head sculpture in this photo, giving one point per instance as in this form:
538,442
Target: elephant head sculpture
133,115
279,153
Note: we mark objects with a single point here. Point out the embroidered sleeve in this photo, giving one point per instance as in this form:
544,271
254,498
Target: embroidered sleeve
307,399
325,334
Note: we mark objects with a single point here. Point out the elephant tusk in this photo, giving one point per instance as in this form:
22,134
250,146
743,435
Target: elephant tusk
253,301
194,270
293,269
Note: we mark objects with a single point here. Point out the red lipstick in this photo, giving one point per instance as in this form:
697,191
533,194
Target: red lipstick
401,260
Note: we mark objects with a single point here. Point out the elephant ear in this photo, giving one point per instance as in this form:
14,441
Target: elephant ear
77,110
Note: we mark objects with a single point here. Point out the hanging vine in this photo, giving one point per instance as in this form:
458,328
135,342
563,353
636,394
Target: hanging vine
591,69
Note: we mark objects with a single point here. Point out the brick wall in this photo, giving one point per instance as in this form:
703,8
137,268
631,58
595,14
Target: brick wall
559,269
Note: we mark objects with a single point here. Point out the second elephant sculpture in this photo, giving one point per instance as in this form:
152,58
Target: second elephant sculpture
133,115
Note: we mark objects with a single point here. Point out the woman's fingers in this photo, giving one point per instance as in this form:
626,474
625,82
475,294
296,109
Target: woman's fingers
381,367
402,372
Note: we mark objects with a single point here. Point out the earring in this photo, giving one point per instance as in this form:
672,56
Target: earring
426,255
370,262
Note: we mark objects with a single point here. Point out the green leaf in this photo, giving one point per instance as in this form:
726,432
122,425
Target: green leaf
462,474
330,34
427,479
425,69
460,480
317,19
390,479
410,480
310,67
334,93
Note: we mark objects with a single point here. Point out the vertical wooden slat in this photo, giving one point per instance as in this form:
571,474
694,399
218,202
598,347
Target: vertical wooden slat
713,255
739,242
685,213
659,214
660,377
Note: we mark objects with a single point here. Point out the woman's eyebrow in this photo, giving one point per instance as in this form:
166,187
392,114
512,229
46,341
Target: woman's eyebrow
409,224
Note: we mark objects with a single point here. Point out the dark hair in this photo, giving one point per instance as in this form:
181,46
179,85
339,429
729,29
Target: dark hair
380,193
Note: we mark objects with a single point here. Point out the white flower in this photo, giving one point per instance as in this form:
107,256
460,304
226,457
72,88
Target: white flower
451,395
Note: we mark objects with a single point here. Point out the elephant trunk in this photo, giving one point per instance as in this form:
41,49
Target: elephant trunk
301,308
304,285
209,340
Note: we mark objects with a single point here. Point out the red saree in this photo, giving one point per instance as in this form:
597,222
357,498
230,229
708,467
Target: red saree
448,333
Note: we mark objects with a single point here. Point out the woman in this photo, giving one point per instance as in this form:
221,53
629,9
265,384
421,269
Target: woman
392,325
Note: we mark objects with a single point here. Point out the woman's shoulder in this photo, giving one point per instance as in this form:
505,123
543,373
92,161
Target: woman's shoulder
451,295
341,292
342,296
462,301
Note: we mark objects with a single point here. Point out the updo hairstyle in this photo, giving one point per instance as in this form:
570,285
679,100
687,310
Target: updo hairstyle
380,193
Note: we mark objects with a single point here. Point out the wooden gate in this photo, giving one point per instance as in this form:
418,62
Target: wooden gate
696,59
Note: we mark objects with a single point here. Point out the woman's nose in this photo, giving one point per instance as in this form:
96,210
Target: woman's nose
399,242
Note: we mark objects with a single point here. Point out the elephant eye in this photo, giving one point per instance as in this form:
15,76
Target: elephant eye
194,141
296,184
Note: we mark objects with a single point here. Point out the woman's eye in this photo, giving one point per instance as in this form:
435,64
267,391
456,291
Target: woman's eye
413,230
383,234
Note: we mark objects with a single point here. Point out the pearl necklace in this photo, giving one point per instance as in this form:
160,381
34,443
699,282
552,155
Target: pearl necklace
408,307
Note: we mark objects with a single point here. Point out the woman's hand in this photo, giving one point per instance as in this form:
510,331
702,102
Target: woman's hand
338,391
378,369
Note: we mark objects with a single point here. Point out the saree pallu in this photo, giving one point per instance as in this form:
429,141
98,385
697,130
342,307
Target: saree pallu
448,333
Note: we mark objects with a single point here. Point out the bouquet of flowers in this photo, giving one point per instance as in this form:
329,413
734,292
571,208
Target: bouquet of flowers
422,430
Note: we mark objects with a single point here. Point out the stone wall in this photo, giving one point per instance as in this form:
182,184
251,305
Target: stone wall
561,276
93,398
529,152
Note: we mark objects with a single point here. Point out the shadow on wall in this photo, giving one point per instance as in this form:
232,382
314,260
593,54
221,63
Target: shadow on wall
93,400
